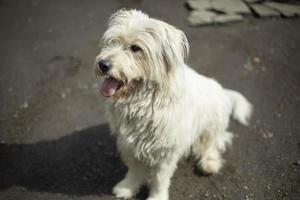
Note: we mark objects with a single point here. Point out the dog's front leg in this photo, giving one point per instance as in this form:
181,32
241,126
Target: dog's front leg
132,182
160,181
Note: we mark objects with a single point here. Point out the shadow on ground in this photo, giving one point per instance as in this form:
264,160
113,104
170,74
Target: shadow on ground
82,163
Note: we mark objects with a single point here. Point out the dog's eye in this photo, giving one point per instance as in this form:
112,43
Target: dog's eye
134,48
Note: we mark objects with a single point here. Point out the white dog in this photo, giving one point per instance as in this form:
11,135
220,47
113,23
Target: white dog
158,107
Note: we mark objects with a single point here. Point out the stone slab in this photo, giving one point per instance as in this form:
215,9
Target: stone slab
286,10
230,6
253,1
199,4
264,11
201,17
228,18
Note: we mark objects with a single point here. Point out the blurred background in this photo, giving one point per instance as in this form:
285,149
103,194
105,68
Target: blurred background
54,139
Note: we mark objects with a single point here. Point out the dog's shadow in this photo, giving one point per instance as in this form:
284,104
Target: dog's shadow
81,163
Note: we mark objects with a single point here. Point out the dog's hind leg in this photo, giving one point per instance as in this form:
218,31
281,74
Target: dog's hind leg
208,149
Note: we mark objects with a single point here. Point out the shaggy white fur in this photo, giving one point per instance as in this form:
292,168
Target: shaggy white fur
158,107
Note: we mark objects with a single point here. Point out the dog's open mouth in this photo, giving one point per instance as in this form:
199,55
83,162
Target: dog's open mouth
110,86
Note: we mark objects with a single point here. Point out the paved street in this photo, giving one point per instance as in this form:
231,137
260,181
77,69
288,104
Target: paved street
54,139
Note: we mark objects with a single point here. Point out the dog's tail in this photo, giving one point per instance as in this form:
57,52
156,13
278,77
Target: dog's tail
241,107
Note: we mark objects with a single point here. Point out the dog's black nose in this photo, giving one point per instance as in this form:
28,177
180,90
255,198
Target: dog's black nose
104,65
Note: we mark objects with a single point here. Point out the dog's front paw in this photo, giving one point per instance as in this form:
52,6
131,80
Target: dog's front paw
153,198
211,166
157,198
123,192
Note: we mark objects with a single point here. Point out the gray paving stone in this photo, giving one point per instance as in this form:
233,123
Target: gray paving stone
253,1
201,17
287,10
264,11
200,4
230,6
228,18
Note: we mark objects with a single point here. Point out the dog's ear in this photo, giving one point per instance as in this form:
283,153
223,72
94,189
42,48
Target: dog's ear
175,47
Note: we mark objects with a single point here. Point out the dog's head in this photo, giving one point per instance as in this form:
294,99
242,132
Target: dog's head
137,48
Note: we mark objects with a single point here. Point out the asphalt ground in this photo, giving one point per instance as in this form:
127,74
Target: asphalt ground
55,142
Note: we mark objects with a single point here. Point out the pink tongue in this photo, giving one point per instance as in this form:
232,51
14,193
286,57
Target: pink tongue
109,87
